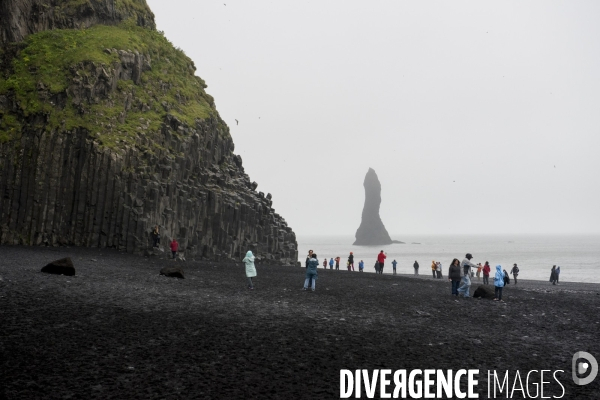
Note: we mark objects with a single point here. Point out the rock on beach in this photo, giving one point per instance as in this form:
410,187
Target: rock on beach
64,266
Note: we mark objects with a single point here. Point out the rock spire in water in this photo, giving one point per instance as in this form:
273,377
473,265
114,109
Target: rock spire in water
371,231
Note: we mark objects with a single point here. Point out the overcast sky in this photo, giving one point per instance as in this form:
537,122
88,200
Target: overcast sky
476,116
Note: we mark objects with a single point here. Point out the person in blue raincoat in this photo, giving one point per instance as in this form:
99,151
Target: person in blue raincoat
331,263
250,268
498,283
311,272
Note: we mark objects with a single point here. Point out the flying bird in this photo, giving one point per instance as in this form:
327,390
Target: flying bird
237,122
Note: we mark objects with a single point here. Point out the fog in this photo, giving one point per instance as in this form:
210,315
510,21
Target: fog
478,117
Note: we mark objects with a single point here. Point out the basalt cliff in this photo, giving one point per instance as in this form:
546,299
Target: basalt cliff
371,231
106,131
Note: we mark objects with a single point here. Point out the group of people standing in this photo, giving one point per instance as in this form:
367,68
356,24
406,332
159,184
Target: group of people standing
554,274
461,272
173,245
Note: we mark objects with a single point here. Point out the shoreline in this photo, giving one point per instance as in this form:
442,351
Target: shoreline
119,330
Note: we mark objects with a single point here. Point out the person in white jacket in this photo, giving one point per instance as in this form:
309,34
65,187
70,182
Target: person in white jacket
250,268
465,283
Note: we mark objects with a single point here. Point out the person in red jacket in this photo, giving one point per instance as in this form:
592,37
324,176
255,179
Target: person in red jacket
174,247
486,273
381,259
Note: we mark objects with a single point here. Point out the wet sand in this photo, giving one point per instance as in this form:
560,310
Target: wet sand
118,330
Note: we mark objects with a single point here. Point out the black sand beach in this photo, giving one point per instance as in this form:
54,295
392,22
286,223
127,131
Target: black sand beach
118,330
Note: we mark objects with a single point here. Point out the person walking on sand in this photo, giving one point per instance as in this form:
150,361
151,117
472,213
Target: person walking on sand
331,263
381,260
438,269
361,266
337,263
351,261
479,268
486,273
250,268
416,267
433,267
311,272
515,272
467,264
553,275
394,263
155,236
557,274
454,275
498,283
325,263
174,247
465,283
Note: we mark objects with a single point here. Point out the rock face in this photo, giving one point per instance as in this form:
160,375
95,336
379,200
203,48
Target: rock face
19,18
172,272
371,231
64,266
101,141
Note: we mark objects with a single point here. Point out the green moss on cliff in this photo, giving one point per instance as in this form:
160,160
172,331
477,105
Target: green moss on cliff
49,61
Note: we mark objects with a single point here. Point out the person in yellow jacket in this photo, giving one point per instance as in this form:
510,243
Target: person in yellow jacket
433,268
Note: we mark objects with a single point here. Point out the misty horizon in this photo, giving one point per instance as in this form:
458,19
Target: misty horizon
477,117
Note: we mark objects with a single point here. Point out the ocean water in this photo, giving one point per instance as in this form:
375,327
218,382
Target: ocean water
577,255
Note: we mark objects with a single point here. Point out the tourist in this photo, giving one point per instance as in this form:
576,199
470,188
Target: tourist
433,268
325,263
155,236
557,274
376,267
506,278
454,275
553,275
308,258
361,266
381,260
351,261
174,247
479,268
498,283
331,263
465,284
486,273
416,267
337,263
250,268
515,272
438,269
394,263
311,272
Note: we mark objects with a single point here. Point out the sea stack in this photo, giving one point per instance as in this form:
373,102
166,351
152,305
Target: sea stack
371,231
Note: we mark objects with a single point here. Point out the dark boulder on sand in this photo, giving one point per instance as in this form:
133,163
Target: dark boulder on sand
172,272
64,266
485,292
371,231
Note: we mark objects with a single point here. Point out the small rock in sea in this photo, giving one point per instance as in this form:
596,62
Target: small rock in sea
64,266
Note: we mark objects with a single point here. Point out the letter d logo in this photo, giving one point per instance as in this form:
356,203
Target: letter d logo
580,368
